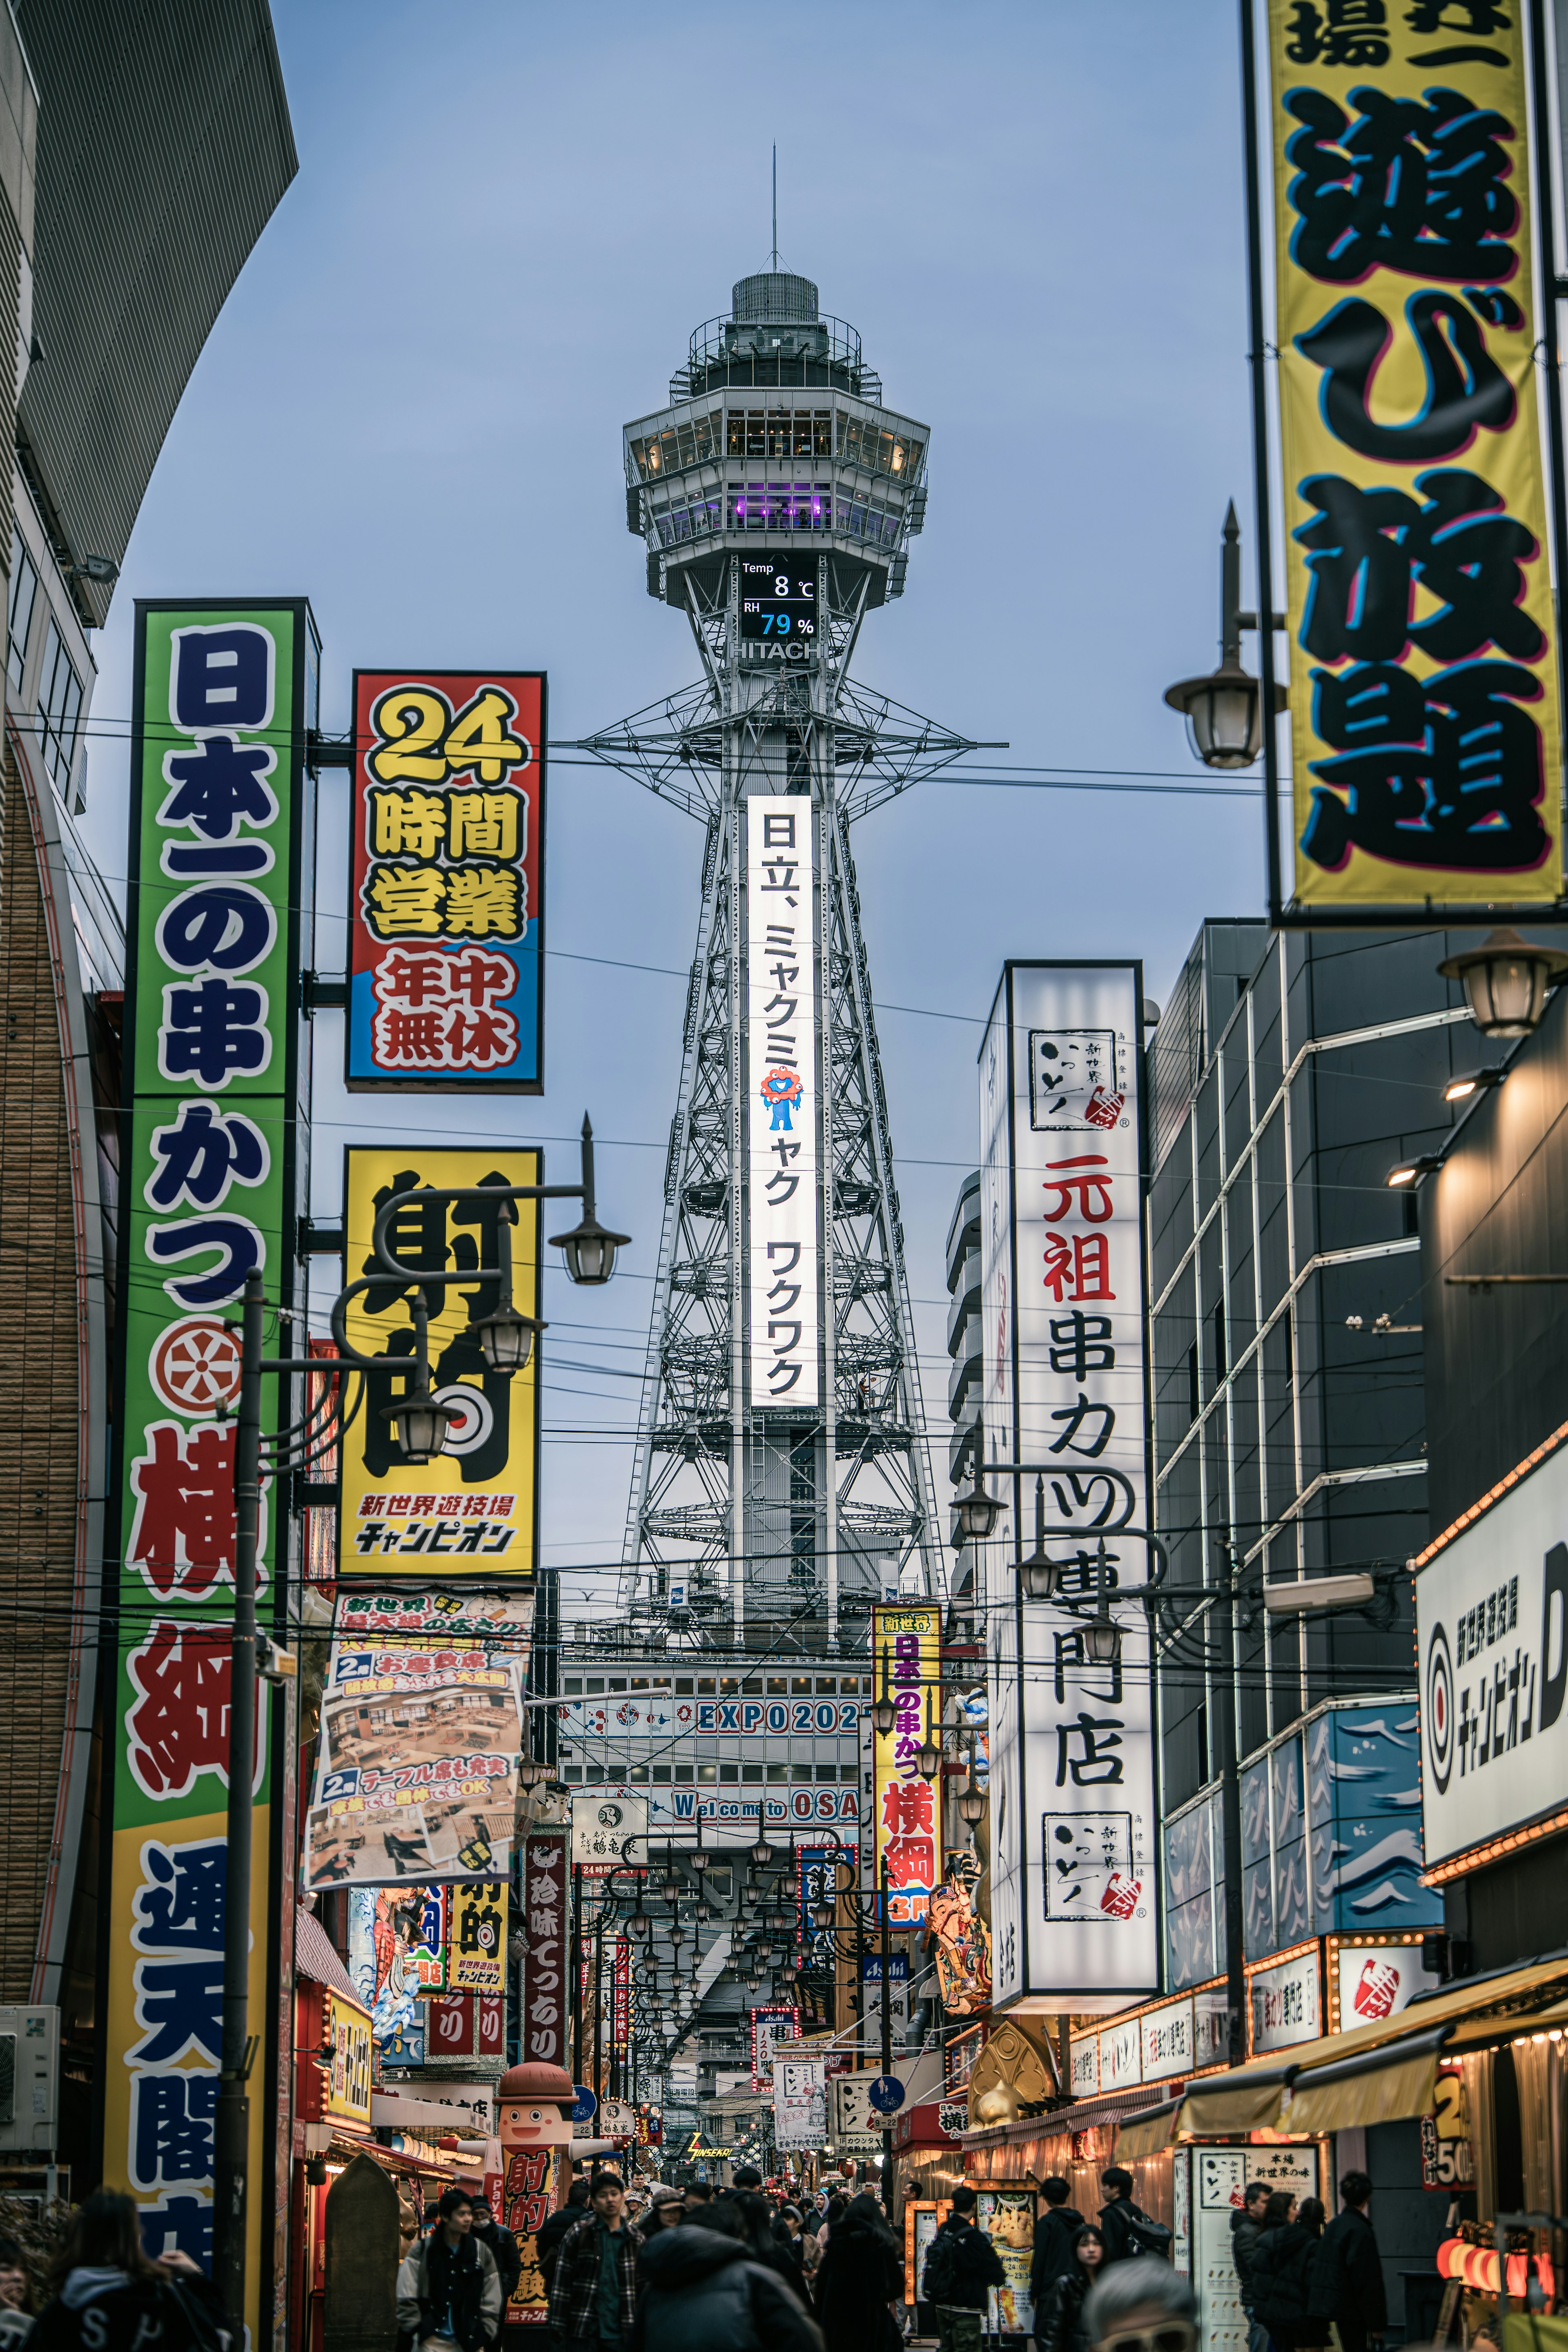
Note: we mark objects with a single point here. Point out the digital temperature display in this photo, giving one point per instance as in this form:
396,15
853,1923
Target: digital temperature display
778,598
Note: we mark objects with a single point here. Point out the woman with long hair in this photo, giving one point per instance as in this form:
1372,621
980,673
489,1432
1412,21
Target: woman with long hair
1281,2271
109,2296
860,2275
1063,2329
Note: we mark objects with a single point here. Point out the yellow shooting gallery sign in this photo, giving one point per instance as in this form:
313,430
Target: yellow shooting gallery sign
469,1511
1425,702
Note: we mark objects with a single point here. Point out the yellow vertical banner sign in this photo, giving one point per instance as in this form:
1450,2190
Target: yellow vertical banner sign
1425,703
906,1829
469,1514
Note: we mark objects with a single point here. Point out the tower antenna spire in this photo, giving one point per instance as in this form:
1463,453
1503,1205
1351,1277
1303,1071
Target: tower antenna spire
775,204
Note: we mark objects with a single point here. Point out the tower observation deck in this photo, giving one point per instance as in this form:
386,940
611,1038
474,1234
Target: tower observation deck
782,1481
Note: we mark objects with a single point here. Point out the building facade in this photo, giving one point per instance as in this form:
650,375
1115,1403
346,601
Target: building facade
139,157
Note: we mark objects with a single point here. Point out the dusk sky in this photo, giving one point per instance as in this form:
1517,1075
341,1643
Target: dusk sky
508,220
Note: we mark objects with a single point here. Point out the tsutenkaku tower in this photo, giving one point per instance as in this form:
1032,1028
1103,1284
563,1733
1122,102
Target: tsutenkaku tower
781,1471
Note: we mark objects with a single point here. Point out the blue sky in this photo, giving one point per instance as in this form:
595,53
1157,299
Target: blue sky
507,222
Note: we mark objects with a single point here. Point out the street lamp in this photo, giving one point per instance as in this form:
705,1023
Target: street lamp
588,1249
1506,981
1223,709
928,1755
1039,1574
1410,1171
972,1802
419,1423
976,1513
884,1714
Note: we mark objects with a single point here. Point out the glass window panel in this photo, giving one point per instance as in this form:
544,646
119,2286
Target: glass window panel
822,434
23,595
687,438
735,433
756,433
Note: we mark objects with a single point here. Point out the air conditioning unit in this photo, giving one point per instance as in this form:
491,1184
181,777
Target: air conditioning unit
29,2079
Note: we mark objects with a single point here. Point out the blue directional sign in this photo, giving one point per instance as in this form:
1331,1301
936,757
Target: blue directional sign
585,2107
886,2095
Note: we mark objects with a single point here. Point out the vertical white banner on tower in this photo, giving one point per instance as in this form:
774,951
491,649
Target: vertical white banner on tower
1074,1826
781,1084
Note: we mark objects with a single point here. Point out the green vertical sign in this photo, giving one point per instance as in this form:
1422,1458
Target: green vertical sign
213,1166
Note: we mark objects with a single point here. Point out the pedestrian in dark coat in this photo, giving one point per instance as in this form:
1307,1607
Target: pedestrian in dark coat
745,2214
1119,2213
1062,2327
859,2275
700,2293
107,2294
1055,2231
1246,2229
961,2269
556,2226
502,2245
1346,2284
1282,2264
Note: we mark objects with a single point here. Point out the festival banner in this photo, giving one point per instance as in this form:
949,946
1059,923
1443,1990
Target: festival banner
416,1765
469,1514
1425,704
905,1653
446,974
210,1148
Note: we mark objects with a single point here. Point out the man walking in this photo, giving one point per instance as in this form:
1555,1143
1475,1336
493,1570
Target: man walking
960,2270
1346,2284
1055,2231
593,2293
502,2245
448,2288
1125,2227
1246,2229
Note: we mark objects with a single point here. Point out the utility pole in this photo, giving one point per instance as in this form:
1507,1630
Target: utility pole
1230,1821
231,2137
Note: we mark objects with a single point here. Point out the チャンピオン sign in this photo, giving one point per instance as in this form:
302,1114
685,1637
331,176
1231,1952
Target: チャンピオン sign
1425,704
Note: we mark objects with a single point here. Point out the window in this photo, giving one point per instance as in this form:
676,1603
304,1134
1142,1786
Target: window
19,620
59,708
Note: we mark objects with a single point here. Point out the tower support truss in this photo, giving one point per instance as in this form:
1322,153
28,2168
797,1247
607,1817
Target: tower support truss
747,1513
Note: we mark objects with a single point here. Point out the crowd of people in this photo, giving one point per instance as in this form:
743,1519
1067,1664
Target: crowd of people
705,2270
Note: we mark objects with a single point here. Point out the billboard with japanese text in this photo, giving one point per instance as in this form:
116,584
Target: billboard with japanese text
543,2034
906,1820
1073,1905
1425,690
416,1768
469,1513
784,1105
446,948
212,1166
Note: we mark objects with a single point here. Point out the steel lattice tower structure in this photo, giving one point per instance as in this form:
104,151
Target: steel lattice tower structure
776,495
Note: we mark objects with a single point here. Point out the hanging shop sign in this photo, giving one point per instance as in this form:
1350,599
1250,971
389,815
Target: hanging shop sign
544,1962
1285,1999
1374,1976
770,2025
476,1959
1492,1630
662,1718
221,699
464,2025
469,1514
1073,1905
1425,706
800,2103
416,1763
430,1613
446,973
905,1653
609,1830
782,1097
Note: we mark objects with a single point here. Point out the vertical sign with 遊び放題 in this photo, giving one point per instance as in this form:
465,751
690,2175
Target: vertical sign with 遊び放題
1062,1289
213,1169
469,1512
781,1001
1425,691
906,1657
446,973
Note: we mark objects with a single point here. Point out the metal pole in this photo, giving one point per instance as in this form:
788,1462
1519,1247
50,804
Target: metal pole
887,2044
577,1970
1546,243
1230,1831
1257,361
232,2126
598,2003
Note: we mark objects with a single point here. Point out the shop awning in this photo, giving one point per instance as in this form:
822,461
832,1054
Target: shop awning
1254,2098
1149,2131
1376,2087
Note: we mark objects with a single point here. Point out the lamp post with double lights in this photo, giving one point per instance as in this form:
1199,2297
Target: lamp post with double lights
418,1423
